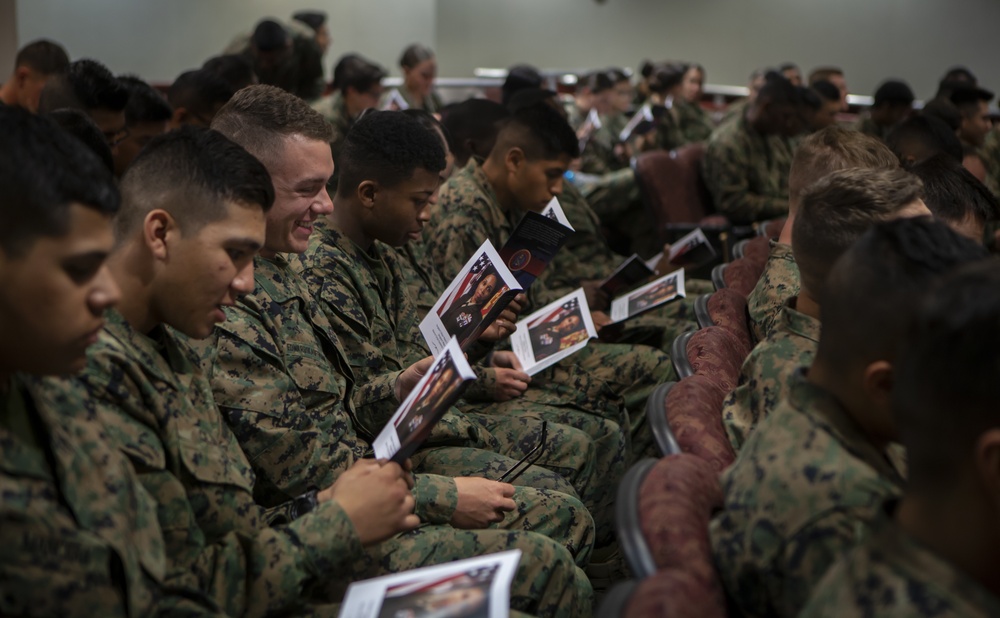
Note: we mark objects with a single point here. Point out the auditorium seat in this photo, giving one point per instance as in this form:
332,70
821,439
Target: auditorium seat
692,416
714,351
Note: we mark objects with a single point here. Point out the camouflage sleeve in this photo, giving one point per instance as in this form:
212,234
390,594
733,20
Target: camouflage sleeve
377,392
725,175
778,283
833,596
484,386
736,416
436,497
452,242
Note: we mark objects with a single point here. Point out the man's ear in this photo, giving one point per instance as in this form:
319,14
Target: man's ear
179,118
367,191
514,160
877,382
159,229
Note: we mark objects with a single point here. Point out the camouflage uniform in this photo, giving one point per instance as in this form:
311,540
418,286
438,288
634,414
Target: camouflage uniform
301,73
893,575
79,535
869,127
803,490
467,214
747,173
766,373
736,109
364,298
695,123
778,283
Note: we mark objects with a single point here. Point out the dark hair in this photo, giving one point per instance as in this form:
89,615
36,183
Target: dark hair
540,132
43,171
824,74
313,19
427,121
414,55
927,131
86,85
145,103
894,93
520,77
44,56
387,147
960,74
260,117
80,126
837,209
191,173
354,71
200,92
826,90
967,98
269,35
234,69
472,126
874,289
646,69
667,76
946,381
778,89
530,97
952,193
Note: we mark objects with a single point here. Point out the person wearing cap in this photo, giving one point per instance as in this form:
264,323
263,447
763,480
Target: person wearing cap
893,104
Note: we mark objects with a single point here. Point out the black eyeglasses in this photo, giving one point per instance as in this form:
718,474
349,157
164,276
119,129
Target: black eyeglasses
528,460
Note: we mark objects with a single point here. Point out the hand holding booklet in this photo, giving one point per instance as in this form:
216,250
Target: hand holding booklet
653,294
472,588
433,395
693,249
554,332
535,240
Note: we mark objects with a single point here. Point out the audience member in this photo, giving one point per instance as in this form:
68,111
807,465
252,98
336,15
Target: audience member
147,115
893,103
34,64
89,86
196,96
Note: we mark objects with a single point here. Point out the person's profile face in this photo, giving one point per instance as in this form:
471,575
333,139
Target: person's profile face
323,38
623,94
826,115
420,79
358,101
535,183
484,290
112,126
692,85
399,213
53,296
976,125
793,75
139,135
299,173
273,59
30,89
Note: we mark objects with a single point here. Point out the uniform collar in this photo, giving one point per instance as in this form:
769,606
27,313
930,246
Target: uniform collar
798,323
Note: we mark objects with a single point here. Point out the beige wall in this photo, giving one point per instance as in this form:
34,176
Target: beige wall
8,37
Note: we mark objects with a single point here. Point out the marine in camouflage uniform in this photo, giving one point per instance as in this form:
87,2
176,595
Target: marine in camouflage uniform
778,283
805,488
363,296
467,214
747,172
892,575
869,127
767,372
694,122
79,535
300,73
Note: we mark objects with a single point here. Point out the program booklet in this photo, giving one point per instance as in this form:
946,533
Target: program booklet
433,395
691,250
395,102
653,294
472,588
631,272
554,332
535,241
474,299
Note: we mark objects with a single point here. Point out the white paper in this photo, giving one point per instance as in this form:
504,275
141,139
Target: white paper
476,587
485,262
653,294
688,242
416,416
553,210
645,113
550,334
395,102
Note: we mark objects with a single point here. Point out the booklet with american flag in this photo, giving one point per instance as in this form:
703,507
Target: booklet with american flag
474,299
534,242
554,332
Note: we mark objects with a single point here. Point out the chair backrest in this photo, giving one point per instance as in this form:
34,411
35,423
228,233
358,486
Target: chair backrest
772,229
666,443
693,410
718,353
728,309
677,594
741,276
758,247
628,520
672,186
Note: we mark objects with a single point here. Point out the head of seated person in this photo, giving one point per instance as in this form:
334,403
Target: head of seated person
419,67
667,82
973,106
270,47
893,103
694,83
55,233
147,115
611,91
472,128
359,81
89,86
191,222
80,126
428,121
924,136
316,20
791,72
234,69
534,148
834,75
956,77
822,104
778,108
519,77
196,96
869,301
35,63
955,196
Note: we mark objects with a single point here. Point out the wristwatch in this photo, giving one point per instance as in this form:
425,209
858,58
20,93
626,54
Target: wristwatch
303,504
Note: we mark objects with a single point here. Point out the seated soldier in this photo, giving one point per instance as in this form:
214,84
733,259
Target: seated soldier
283,382
78,533
147,115
196,97
234,69
316,21
602,150
834,212
471,128
287,55
695,123
419,67
809,481
34,64
519,77
819,154
973,105
933,552
956,197
893,103
738,108
922,137
835,76
666,85
89,86
747,161
823,99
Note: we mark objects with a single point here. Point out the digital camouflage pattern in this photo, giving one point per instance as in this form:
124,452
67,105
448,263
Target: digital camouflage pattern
747,173
767,373
869,127
891,575
694,121
778,283
803,490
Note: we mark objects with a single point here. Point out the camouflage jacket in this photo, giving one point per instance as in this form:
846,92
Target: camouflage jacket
747,173
892,575
694,122
778,283
869,127
804,489
158,408
586,254
599,156
767,372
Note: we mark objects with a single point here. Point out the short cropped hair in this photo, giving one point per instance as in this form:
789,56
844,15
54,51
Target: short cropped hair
199,91
191,173
839,208
44,56
428,121
269,35
474,121
414,55
929,132
894,93
834,148
354,71
967,99
667,76
43,171
952,193
530,97
260,117
946,382
540,132
824,74
86,85
778,89
80,126
874,289
145,103
234,69
519,77
826,90
313,19
387,147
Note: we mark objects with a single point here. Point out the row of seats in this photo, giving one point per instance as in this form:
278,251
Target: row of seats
664,506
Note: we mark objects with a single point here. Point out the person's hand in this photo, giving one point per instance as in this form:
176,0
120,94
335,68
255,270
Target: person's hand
411,375
600,319
500,329
518,304
481,502
597,299
510,383
376,497
505,358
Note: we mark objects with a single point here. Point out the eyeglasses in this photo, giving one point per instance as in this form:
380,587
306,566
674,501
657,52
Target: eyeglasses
528,460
